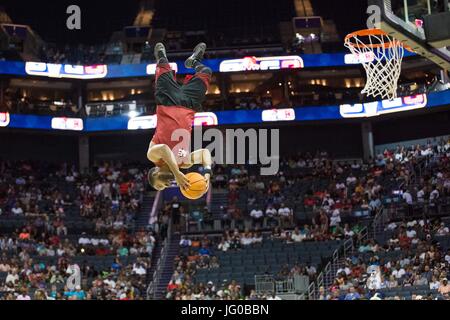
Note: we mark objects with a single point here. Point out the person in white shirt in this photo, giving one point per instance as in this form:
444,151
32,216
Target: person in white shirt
285,214
348,232
139,269
421,195
224,245
256,213
104,242
98,188
297,236
434,195
12,277
447,256
399,272
398,156
442,230
340,185
335,218
434,283
246,240
271,211
284,211
84,240
409,201
407,197
356,166
346,269
411,233
185,242
351,180
17,210
60,251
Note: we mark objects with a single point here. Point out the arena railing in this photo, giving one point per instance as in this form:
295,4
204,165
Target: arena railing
264,284
379,220
153,285
293,285
343,251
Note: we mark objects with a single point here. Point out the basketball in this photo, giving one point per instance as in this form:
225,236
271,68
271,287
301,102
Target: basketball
198,186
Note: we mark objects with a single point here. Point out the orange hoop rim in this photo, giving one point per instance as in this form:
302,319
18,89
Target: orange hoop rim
373,32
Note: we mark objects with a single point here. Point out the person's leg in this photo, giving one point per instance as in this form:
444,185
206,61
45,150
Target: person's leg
166,88
195,88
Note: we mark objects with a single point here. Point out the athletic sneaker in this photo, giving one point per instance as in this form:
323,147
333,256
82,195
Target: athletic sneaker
159,51
197,55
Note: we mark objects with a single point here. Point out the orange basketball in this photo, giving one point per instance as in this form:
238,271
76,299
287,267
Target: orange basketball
198,186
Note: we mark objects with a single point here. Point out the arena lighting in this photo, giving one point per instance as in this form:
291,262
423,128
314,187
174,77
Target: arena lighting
278,115
4,119
264,63
144,122
357,59
133,114
151,68
53,70
376,108
149,122
63,123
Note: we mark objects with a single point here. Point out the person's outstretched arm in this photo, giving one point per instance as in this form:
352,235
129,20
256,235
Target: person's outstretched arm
203,157
158,152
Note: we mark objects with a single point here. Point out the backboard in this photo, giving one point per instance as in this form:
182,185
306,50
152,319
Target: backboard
423,25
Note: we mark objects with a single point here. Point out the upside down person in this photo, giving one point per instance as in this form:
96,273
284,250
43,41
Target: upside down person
176,106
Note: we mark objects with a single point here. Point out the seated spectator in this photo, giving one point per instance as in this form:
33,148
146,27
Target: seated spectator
297,236
257,216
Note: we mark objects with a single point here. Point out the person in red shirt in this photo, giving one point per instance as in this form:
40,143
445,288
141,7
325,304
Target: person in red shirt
169,149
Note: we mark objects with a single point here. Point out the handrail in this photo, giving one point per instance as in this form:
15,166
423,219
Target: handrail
151,289
364,235
311,291
154,213
378,220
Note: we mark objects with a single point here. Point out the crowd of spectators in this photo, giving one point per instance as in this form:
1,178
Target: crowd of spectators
420,264
406,259
200,252
351,188
53,217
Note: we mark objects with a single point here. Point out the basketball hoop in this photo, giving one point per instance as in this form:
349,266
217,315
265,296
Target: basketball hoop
381,55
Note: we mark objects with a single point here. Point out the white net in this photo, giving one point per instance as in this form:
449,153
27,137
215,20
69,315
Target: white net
381,56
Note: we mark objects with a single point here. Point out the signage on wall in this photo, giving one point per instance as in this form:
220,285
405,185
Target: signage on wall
376,108
144,122
151,68
264,63
150,122
4,119
75,124
205,119
363,57
278,115
53,70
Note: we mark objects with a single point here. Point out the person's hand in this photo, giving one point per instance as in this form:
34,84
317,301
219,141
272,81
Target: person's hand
182,180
